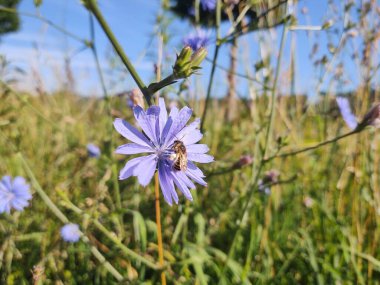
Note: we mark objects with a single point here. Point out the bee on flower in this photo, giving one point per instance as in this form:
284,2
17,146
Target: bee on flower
171,146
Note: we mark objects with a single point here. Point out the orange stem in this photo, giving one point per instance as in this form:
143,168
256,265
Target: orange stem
159,234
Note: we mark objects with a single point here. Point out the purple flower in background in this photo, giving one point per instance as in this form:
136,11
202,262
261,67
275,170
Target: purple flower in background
93,150
208,5
345,110
70,232
160,134
270,178
372,118
13,194
196,40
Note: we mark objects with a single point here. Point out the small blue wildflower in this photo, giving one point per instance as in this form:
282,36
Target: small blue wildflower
208,5
70,233
160,133
345,110
13,194
196,40
93,150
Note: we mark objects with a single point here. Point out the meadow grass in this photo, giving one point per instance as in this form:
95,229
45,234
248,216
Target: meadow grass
317,227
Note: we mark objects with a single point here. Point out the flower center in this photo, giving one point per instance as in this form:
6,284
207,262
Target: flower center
10,196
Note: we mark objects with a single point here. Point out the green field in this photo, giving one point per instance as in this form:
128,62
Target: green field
293,194
281,239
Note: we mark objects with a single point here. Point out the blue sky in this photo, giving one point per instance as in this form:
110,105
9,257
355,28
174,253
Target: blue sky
40,50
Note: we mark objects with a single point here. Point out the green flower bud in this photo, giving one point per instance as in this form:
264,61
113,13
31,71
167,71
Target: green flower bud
187,62
198,57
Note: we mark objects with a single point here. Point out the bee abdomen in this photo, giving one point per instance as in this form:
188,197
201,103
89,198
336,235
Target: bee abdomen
177,165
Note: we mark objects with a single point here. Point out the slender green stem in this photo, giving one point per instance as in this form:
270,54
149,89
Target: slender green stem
127,251
108,107
154,87
159,229
107,30
96,58
216,52
103,260
42,193
274,89
124,248
65,220
318,145
261,165
249,28
209,87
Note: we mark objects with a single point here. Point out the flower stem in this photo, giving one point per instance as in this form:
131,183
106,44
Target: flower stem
216,51
98,15
294,152
255,179
159,233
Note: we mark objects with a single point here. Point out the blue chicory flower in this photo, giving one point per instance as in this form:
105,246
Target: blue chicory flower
208,5
70,233
13,194
345,110
93,150
196,40
159,133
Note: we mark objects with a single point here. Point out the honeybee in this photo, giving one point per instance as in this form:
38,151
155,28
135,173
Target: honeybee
180,156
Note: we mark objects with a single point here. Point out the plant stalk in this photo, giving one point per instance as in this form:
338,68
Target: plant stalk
159,230
107,30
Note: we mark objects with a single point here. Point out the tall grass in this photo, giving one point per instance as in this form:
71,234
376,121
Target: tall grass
316,225
282,240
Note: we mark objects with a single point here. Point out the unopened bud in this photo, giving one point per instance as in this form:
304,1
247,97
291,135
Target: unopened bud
243,161
187,62
372,118
270,178
198,57
135,98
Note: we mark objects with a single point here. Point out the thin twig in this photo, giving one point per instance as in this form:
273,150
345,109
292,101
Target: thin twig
295,152
216,52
